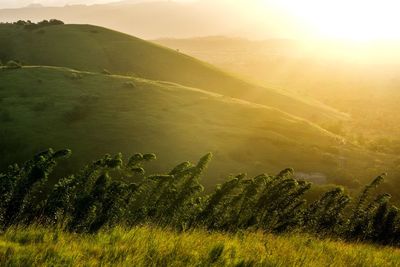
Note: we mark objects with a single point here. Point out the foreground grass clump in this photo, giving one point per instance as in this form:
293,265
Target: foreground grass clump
151,246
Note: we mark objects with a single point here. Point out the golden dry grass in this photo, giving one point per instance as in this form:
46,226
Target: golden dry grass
152,246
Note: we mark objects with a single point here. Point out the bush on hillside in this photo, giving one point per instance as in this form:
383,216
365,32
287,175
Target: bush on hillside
129,85
77,113
22,22
51,22
44,23
13,65
106,72
75,76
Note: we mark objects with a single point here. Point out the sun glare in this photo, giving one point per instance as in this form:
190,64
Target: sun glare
346,19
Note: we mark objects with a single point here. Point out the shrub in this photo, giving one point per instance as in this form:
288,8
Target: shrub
13,65
55,22
21,23
44,23
129,85
77,113
106,72
75,76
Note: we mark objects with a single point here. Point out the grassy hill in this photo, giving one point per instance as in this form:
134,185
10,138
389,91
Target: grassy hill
91,48
150,246
94,113
342,75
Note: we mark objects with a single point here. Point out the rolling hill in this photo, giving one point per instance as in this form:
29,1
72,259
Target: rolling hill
154,99
350,77
94,114
91,48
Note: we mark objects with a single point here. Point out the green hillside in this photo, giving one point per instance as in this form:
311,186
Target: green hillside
93,114
91,48
124,112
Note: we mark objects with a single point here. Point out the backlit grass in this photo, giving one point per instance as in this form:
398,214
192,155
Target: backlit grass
151,246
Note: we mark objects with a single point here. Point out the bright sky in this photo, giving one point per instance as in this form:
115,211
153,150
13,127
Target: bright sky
346,19
341,19
22,3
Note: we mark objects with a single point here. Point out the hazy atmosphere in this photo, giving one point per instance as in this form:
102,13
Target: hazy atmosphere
23,3
339,19
200,133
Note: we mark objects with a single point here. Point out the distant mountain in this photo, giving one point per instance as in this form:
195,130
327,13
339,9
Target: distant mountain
133,2
34,6
155,19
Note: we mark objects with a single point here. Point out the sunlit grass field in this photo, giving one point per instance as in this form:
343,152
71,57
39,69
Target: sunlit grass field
108,92
94,49
152,246
93,114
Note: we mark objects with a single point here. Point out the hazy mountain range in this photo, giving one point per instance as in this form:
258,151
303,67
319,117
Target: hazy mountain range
154,19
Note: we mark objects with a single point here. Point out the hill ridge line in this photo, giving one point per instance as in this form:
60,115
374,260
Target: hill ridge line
170,84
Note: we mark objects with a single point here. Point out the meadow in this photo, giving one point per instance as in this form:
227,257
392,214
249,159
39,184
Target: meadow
153,246
145,97
97,91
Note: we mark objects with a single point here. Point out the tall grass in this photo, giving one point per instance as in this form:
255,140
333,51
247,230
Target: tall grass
152,246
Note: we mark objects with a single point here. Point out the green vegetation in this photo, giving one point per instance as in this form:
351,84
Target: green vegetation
153,246
98,91
94,114
91,48
112,191
363,84
29,25
97,110
13,65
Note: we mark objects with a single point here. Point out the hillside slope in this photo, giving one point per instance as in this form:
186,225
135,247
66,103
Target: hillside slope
93,114
91,48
